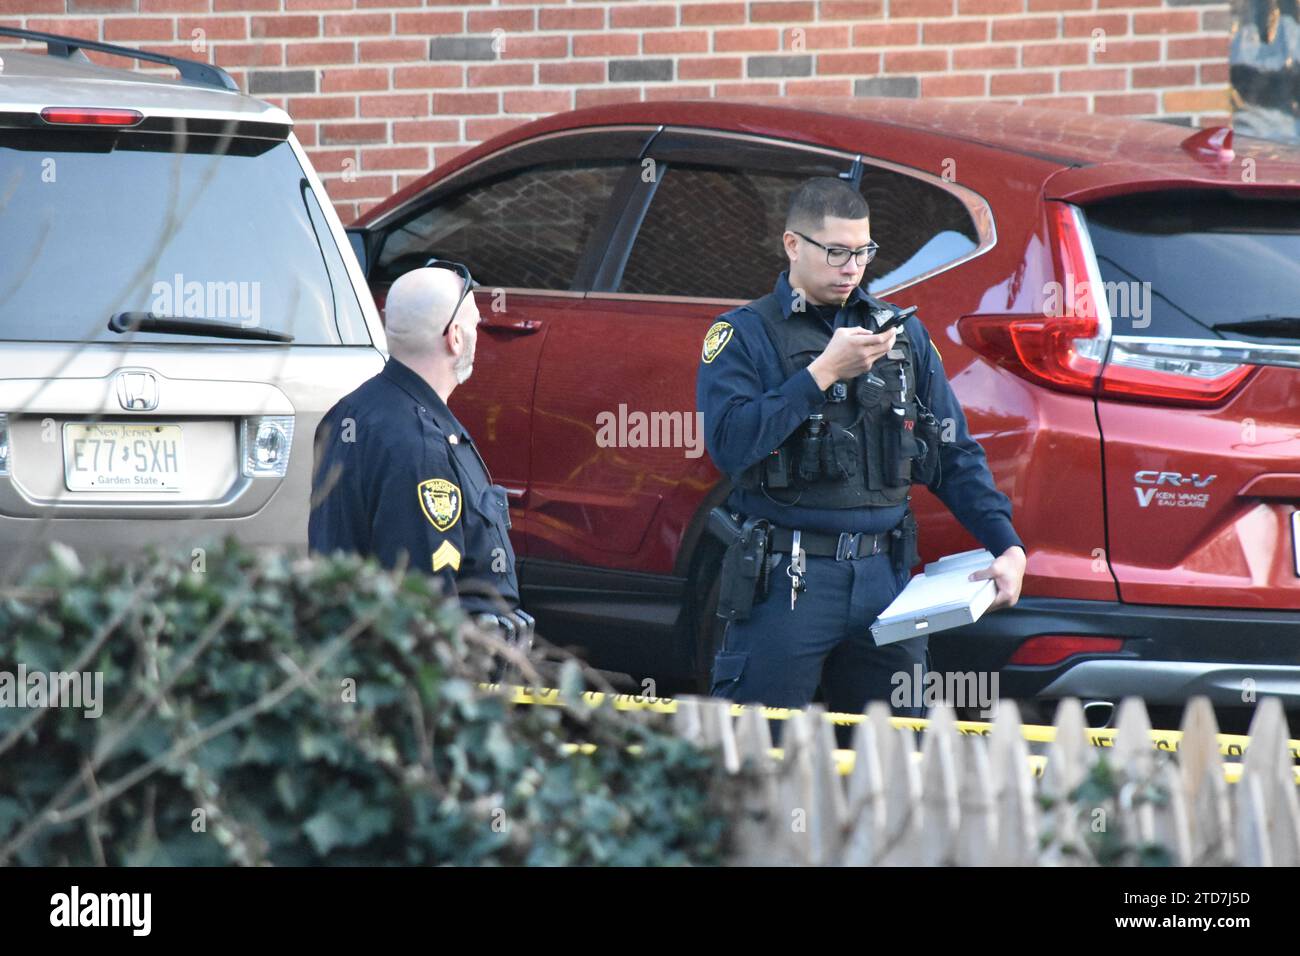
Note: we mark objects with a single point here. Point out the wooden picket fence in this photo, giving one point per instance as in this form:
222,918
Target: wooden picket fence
972,800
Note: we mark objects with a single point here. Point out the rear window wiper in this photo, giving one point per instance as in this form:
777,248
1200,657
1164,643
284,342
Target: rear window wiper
151,322
1284,326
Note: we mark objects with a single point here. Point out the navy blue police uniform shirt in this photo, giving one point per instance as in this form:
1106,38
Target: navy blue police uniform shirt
397,475
750,408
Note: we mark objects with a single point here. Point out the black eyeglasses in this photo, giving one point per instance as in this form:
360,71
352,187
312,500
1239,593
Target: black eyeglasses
469,284
837,255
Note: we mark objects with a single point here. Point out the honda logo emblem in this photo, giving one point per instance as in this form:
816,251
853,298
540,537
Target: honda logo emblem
137,390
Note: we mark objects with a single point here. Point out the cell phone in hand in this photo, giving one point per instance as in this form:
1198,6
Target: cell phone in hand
896,320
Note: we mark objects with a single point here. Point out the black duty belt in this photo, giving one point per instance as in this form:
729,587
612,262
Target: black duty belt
841,547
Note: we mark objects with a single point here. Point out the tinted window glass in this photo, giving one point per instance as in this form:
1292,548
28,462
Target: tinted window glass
918,225
525,229
92,224
1209,258
711,233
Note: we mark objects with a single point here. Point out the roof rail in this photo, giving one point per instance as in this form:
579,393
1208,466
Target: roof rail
193,70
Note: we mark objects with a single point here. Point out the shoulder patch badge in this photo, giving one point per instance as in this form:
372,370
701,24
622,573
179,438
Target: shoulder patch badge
440,500
716,340
446,557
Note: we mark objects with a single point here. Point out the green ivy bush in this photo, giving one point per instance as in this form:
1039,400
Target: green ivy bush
263,708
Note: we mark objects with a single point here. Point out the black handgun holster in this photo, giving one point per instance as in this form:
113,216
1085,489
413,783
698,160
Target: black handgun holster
903,549
744,570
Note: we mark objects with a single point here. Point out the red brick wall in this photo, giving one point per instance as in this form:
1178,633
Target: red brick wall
382,90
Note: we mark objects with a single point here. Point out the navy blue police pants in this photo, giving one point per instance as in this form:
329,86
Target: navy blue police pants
778,657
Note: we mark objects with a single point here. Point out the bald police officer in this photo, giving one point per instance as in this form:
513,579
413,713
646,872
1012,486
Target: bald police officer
823,405
397,477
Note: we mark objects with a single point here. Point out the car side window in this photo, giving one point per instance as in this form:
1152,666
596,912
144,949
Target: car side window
715,232
526,228
711,232
920,227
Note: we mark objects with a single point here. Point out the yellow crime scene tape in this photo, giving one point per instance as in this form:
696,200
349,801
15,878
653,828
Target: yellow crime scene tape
1230,745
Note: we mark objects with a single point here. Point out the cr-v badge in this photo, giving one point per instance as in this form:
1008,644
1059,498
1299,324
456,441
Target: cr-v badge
1173,499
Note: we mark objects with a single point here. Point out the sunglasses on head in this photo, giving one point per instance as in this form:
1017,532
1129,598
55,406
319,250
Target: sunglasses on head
469,284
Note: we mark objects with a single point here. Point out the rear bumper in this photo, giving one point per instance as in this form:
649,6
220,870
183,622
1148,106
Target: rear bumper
1176,681
25,541
1169,653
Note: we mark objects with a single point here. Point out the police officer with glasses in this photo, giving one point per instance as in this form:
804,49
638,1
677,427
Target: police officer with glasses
824,405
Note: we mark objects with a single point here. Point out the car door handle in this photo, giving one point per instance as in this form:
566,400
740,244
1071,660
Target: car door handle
520,327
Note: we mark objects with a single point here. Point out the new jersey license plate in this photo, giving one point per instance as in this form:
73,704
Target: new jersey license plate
106,456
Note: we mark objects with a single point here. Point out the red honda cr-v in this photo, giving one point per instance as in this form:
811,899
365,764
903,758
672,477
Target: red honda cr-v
1116,302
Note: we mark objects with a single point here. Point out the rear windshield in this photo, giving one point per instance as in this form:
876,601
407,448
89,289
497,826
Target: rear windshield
1210,258
97,223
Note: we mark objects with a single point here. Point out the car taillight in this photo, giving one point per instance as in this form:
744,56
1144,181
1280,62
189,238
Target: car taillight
1064,346
267,440
1069,347
1056,352
80,116
1180,374
1054,648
